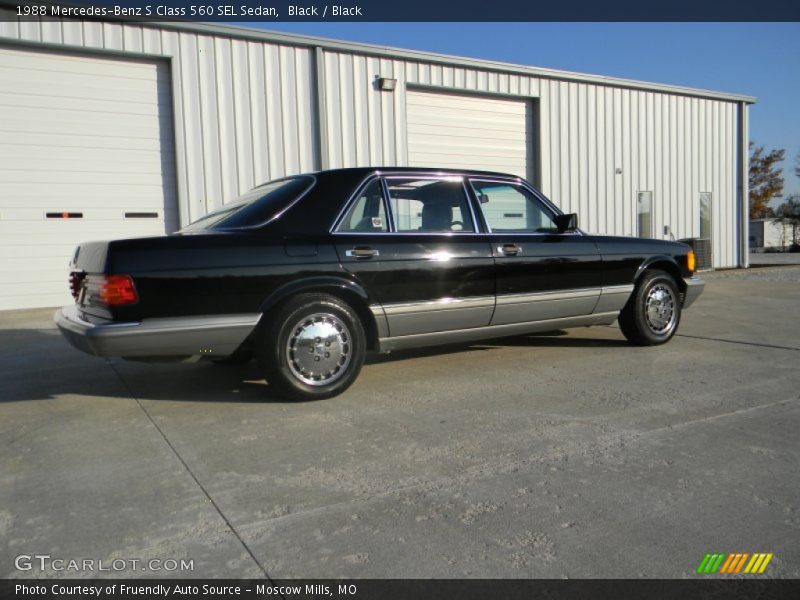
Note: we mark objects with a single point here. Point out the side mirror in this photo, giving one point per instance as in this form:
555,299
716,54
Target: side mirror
568,222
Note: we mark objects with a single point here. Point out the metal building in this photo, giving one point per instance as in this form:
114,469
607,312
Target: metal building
110,129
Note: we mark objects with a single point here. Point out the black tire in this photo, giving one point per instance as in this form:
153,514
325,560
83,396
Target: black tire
313,348
653,312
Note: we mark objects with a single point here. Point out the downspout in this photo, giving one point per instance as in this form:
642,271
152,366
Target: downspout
743,186
321,130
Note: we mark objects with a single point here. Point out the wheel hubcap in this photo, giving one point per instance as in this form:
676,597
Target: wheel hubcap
319,349
660,309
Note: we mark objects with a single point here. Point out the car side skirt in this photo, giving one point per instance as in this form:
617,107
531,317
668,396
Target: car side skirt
492,331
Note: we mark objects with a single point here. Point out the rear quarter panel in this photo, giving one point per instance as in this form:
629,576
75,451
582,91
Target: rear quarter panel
220,273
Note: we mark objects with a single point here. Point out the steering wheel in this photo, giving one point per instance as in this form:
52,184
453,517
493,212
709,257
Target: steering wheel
459,223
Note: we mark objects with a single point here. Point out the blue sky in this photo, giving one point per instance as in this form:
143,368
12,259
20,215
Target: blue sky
758,59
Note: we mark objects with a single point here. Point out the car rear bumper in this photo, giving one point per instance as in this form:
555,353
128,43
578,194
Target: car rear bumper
212,335
694,287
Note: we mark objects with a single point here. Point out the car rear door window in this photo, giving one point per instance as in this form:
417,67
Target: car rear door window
429,205
368,213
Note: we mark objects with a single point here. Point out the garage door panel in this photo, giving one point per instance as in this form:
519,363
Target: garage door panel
470,162
74,63
80,134
472,110
39,271
455,163
91,141
32,299
471,115
137,162
111,91
23,120
91,154
470,106
470,145
74,231
459,130
468,122
46,250
69,241
65,104
95,178
466,102
75,190
471,132
30,206
96,73
36,218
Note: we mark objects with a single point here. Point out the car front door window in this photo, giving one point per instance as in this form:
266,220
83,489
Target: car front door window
508,208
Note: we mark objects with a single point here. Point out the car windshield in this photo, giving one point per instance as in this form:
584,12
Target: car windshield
255,207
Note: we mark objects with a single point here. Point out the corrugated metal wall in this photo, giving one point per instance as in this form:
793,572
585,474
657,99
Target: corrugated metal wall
246,112
674,146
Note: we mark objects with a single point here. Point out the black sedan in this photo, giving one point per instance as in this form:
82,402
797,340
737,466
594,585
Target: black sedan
310,272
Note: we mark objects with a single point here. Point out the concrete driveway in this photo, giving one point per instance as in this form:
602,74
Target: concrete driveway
563,455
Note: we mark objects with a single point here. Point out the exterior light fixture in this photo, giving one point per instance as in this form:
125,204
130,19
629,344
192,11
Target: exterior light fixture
386,84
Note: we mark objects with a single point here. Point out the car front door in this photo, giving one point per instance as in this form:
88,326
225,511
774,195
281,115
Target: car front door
413,241
541,273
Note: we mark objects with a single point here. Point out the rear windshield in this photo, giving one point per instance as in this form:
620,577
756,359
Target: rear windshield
255,207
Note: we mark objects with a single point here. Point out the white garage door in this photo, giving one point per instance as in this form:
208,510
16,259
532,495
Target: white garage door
85,154
468,132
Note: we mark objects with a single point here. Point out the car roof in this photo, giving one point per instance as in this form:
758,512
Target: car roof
431,170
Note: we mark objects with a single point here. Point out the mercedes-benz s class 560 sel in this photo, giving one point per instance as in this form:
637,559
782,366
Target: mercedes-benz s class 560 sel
310,272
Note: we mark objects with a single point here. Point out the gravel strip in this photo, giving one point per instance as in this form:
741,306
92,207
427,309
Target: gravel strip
788,274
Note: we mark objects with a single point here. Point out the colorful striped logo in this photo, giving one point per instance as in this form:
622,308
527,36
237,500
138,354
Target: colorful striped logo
740,562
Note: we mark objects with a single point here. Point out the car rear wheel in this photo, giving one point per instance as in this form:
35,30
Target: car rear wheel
314,347
653,312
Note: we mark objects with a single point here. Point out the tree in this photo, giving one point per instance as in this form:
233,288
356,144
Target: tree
766,180
797,164
789,214
789,209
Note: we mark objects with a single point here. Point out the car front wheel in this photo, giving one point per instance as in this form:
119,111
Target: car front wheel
653,312
313,348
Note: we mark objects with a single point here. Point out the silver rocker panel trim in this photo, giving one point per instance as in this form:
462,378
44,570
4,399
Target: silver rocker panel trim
491,331
210,335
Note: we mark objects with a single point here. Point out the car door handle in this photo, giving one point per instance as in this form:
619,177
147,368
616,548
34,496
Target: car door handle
362,252
509,249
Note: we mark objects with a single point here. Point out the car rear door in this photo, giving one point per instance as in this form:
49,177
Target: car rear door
541,273
413,242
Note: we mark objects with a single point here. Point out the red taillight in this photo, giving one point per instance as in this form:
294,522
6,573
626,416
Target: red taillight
113,290
75,282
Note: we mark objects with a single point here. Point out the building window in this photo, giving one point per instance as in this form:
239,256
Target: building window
644,211
705,215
